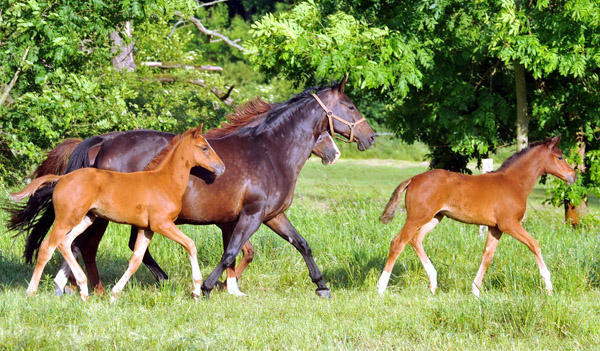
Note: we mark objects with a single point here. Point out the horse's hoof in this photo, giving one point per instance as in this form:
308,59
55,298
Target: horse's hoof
195,296
549,292
84,297
432,289
58,292
324,293
206,294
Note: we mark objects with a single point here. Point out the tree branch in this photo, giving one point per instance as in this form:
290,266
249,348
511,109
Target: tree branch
180,65
10,85
227,100
211,33
204,4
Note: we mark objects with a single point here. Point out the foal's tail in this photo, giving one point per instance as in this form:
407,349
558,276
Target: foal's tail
35,184
392,205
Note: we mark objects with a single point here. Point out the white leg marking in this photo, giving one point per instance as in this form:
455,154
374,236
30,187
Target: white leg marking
61,279
432,274
475,290
232,287
383,282
546,275
196,276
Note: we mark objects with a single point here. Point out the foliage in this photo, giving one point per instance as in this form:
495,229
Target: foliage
443,69
59,56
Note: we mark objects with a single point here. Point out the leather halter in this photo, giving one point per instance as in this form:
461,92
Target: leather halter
331,115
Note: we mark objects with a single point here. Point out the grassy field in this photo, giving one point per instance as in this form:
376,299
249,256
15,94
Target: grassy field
336,209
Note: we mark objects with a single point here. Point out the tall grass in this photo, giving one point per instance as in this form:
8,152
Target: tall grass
336,210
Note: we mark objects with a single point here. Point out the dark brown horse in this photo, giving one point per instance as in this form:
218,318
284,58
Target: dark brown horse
325,148
497,199
264,148
149,200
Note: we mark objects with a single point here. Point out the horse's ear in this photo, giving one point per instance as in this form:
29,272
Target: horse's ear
198,131
343,83
553,142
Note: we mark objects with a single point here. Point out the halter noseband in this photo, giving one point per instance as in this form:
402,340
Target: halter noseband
331,115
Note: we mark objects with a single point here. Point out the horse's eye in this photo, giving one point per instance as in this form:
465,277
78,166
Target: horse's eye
351,107
204,148
560,158
320,139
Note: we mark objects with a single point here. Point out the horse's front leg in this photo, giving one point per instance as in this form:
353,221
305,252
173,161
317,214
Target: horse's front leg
247,225
233,273
282,226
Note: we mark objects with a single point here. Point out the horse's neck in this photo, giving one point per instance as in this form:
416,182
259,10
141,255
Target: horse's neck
292,141
175,169
526,171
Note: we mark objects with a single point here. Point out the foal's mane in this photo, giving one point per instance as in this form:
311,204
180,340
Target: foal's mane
158,159
511,160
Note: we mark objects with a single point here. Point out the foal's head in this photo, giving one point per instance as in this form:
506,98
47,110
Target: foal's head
203,155
555,163
326,149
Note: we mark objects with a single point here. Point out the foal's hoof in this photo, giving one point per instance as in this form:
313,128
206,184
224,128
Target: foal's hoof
58,291
195,296
221,285
432,289
475,290
324,293
549,292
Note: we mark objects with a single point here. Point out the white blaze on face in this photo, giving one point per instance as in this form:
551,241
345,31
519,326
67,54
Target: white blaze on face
335,147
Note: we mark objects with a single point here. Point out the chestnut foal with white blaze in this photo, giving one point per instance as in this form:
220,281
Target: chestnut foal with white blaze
150,200
497,199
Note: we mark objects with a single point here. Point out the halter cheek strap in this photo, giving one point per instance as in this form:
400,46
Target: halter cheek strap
331,115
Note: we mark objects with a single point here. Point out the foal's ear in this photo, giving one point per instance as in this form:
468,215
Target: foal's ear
198,131
343,83
553,142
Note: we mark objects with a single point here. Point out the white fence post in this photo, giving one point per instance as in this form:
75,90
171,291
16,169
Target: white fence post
487,165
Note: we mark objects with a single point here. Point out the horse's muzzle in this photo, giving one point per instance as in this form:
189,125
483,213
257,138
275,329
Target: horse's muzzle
571,178
219,170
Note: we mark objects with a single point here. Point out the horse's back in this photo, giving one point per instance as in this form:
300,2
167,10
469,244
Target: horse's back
466,198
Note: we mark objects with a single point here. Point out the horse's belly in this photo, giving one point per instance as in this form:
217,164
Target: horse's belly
479,216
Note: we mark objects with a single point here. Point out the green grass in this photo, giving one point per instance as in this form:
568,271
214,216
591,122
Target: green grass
336,209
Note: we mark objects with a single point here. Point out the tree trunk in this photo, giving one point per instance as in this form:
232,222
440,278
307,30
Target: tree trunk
124,59
522,114
574,213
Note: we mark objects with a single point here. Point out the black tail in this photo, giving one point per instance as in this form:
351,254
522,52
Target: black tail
36,217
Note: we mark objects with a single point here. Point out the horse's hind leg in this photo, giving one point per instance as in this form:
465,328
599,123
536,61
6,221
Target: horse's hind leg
141,244
86,244
397,245
494,235
417,245
65,249
47,248
148,260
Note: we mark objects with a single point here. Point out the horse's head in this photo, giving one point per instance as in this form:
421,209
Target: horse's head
344,118
204,155
555,163
326,149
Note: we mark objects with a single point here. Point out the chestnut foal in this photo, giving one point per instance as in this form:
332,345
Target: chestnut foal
497,199
150,200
